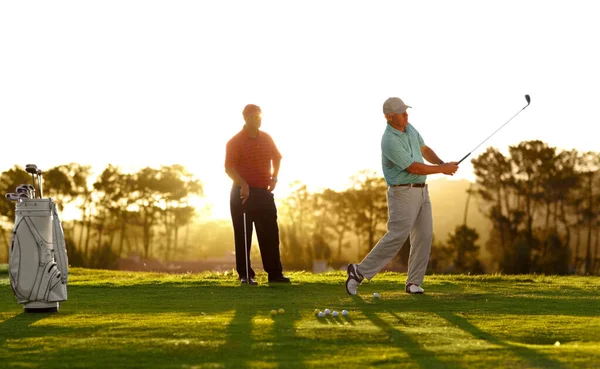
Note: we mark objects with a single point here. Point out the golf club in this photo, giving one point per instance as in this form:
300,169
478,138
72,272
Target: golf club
528,102
15,196
29,188
32,169
246,249
23,189
40,186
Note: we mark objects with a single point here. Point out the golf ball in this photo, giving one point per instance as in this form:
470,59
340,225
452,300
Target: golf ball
321,314
345,312
376,295
273,312
327,311
335,313
281,311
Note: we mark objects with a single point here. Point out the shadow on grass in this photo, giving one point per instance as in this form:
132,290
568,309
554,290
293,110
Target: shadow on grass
533,357
424,358
284,329
21,325
242,336
238,338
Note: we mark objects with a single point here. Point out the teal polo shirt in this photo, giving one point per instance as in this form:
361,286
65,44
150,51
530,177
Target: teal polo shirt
398,151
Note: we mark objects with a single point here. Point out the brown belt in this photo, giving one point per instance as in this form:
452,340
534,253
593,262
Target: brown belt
409,185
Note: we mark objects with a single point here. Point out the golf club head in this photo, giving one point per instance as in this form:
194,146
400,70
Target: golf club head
27,186
27,189
12,197
31,168
21,189
528,99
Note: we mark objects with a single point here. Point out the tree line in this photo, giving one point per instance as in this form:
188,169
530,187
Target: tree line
120,213
541,203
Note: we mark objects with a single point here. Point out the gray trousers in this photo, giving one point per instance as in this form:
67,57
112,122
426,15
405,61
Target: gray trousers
409,211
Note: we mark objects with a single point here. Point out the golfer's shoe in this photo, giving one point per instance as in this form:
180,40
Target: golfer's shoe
279,279
354,279
248,281
413,288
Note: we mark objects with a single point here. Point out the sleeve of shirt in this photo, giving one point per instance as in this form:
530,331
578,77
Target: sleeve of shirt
421,141
232,154
397,154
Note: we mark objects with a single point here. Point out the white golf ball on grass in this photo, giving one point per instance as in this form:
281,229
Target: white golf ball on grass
335,313
321,314
345,312
327,311
376,295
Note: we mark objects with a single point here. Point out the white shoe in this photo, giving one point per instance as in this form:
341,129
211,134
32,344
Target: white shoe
413,288
354,279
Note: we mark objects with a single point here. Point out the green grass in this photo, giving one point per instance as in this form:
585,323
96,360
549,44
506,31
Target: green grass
193,321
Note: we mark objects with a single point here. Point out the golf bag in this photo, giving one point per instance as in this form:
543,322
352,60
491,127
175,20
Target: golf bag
38,264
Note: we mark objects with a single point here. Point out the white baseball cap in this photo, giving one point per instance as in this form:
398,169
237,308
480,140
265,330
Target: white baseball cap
394,105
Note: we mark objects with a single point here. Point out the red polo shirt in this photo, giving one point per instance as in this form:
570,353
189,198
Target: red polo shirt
252,157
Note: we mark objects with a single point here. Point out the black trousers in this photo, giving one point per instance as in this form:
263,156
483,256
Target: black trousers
262,213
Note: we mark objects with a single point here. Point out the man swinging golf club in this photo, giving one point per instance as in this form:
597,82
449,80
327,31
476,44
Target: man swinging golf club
409,208
252,161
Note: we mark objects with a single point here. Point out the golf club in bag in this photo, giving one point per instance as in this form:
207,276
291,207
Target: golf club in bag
37,265
528,102
16,196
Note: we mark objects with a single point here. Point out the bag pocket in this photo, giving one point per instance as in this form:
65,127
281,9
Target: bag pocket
51,288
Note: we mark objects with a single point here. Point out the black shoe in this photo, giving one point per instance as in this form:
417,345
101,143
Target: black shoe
414,288
280,279
251,281
354,279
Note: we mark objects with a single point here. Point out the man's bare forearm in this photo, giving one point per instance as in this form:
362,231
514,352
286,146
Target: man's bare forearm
276,165
423,169
431,156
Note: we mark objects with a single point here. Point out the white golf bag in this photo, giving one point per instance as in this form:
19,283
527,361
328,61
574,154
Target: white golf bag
38,264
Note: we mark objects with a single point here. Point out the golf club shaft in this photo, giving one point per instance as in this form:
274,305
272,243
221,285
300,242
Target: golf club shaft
40,184
482,142
490,136
33,181
246,249
32,169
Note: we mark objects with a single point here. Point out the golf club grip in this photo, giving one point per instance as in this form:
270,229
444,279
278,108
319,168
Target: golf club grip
463,158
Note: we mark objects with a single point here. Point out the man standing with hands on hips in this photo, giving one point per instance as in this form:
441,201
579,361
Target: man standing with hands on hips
252,162
409,207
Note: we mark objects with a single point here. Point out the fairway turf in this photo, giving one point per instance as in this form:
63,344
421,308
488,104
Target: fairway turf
194,321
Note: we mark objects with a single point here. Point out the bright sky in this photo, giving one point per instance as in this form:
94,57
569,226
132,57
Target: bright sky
145,83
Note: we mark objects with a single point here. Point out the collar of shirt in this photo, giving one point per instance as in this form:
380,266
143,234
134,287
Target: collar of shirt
398,132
